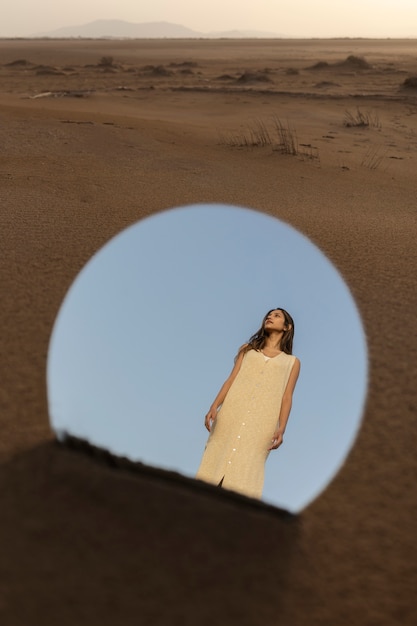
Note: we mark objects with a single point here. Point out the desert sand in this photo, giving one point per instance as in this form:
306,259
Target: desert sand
98,134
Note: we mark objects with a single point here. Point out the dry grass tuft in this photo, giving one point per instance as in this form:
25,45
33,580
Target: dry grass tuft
281,137
288,142
287,138
361,119
373,157
255,136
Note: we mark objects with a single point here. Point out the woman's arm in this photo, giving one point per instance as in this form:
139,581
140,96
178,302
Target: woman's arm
286,404
219,399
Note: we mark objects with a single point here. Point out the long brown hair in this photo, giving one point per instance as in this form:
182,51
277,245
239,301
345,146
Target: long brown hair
257,341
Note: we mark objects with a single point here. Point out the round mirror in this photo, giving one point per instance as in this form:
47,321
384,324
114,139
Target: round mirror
149,330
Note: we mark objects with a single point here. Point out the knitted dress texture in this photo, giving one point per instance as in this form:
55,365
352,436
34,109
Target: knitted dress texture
237,447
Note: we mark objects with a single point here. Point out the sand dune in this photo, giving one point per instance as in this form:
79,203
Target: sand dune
97,135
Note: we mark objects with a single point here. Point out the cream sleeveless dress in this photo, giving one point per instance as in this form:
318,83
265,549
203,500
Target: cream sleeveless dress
237,447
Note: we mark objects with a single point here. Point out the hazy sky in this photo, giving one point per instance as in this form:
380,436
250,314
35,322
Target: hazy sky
303,18
148,333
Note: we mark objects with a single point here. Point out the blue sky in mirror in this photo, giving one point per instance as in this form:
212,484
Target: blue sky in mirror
149,329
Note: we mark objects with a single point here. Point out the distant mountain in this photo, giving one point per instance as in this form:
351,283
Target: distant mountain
118,29
245,34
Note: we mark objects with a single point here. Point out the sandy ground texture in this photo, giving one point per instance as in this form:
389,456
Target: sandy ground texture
95,135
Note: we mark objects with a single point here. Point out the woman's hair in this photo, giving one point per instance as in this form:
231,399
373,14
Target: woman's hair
257,341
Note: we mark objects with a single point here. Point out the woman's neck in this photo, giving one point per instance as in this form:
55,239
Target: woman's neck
273,342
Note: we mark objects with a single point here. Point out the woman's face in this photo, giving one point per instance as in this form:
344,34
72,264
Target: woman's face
275,320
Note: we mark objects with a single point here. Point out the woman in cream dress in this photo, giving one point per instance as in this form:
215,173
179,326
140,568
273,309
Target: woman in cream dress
249,415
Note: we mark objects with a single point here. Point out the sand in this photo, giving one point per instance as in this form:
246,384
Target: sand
98,134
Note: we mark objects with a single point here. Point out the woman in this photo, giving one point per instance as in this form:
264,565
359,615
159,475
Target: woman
255,404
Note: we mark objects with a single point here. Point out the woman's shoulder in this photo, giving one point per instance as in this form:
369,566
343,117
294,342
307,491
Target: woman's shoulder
295,363
292,358
241,353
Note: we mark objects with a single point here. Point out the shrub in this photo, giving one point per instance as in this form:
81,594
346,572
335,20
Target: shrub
410,82
106,62
254,77
18,63
357,62
320,65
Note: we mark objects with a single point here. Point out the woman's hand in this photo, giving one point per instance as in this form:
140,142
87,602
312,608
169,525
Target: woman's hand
277,440
210,417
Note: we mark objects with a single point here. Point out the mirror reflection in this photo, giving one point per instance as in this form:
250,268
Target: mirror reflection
149,330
